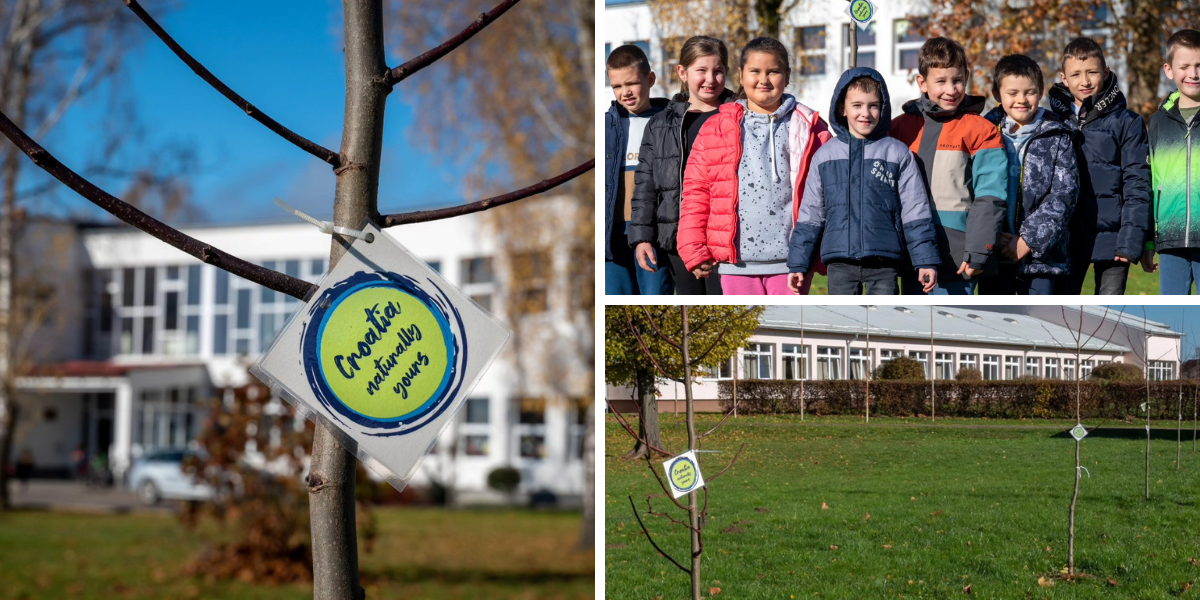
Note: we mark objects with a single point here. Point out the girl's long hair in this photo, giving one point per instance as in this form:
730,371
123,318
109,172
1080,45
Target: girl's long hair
698,47
769,45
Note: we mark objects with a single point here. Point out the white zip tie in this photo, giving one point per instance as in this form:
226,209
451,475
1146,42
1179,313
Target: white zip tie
326,226
1089,473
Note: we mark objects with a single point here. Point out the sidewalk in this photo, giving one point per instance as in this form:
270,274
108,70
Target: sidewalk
71,496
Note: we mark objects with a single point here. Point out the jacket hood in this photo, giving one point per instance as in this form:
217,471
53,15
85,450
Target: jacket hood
929,108
1109,99
785,107
1049,121
1170,107
837,121
680,103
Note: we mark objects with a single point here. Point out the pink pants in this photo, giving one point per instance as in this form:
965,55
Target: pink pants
759,285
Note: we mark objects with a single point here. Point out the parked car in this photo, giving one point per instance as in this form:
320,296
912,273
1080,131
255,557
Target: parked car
160,475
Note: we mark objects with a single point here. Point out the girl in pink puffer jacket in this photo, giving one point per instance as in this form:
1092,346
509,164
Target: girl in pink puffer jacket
745,178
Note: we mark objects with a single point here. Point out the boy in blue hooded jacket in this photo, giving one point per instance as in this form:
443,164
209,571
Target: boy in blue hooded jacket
864,200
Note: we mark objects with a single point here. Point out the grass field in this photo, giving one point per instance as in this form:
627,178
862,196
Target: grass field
913,511
419,554
1140,283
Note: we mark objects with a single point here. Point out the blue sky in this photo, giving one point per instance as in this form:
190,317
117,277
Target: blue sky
285,58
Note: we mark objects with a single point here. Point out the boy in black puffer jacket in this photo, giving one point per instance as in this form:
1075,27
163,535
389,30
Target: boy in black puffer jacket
1113,213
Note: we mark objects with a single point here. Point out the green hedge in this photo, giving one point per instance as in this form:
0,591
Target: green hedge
1026,398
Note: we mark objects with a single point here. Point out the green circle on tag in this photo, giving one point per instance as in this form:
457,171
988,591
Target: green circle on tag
683,474
382,352
860,10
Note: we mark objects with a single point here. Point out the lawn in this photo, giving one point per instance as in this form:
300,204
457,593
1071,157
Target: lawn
1140,282
419,554
905,509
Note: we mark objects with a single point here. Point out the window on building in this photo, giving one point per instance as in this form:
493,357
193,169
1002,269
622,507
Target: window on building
530,276
756,361
582,281
532,411
477,270
866,46
908,45
1012,367
795,361
968,361
193,285
475,445
1051,368
477,410
148,286
886,355
721,371
243,308
810,50
1069,369
436,265
860,364
533,446
923,358
316,267
829,363
171,304
1033,366
1085,368
128,283
991,367
1161,370
943,364
147,335
669,47
220,334
221,292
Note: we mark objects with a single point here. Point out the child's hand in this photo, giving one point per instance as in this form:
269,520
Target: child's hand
644,253
796,281
1148,264
1008,246
966,269
928,277
1022,249
703,269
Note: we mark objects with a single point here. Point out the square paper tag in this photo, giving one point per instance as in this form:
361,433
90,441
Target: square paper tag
384,354
683,474
1079,432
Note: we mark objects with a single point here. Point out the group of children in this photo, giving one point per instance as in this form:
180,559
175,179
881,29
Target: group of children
717,193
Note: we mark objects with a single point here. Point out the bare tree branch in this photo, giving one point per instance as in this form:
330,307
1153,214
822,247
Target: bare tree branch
719,423
722,471
651,540
423,216
297,288
402,72
662,336
666,490
299,141
629,429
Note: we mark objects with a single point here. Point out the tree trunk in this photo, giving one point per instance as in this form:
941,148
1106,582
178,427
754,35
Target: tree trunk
1143,21
1071,517
587,533
693,504
648,421
331,478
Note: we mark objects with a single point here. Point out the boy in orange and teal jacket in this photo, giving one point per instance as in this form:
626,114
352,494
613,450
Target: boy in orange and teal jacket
965,167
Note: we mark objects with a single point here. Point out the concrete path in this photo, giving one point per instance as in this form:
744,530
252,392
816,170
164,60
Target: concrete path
70,496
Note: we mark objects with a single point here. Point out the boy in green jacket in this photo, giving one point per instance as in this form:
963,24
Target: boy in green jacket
1175,175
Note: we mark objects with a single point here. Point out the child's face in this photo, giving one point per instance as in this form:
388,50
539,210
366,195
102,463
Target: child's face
705,79
631,89
861,109
764,79
1083,77
1019,95
1184,70
946,87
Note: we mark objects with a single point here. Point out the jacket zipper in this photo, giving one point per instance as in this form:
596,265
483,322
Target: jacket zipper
1187,227
682,166
733,253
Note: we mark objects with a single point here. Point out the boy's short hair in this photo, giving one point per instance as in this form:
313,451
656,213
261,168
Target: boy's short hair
941,53
1017,65
626,56
1184,38
1083,48
863,83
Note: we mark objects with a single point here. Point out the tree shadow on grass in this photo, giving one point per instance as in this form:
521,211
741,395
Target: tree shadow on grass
1131,433
423,574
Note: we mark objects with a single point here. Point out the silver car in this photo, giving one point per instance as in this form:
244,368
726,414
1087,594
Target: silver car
159,475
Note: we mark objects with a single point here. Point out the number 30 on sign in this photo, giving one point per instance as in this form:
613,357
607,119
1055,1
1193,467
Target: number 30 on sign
862,12
683,473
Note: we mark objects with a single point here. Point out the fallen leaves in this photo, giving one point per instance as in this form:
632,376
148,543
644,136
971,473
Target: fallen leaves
967,589
824,506
1042,581
887,546
1187,585
833,547
1193,561
713,591
1113,583
867,517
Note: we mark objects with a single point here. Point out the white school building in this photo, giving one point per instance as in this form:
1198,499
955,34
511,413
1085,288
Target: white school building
1002,342
817,36
148,336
